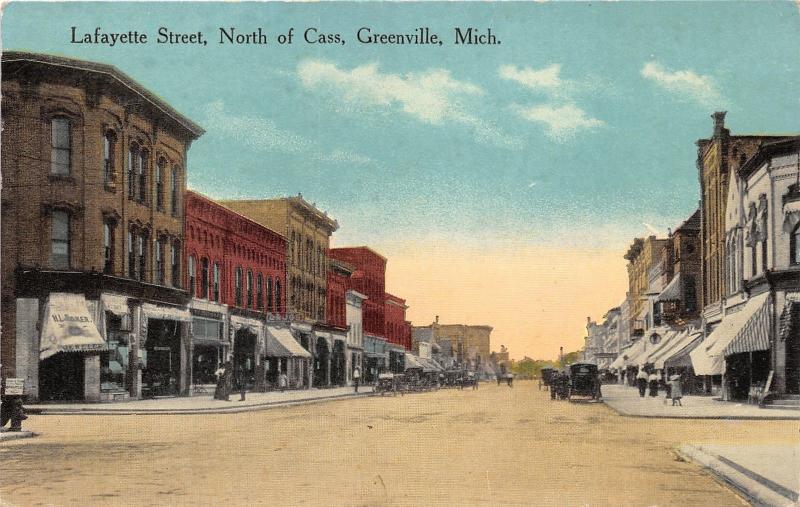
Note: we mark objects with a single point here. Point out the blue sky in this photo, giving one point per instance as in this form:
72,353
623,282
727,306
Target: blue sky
577,131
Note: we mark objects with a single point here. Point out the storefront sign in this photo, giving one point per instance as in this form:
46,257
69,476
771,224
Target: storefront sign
68,327
14,386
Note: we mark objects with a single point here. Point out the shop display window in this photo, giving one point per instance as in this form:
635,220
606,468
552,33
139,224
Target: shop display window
114,362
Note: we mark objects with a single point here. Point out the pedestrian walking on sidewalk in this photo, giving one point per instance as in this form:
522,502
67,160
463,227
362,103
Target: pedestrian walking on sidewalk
241,383
356,377
641,382
282,381
221,391
676,391
653,384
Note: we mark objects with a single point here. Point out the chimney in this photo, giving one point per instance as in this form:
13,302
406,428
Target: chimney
437,319
719,122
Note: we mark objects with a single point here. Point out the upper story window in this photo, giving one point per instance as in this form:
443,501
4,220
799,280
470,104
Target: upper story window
158,262
142,176
259,292
204,273
175,193
161,168
109,144
133,169
249,289
216,282
269,294
176,263
238,286
191,273
277,296
141,252
61,146
108,246
60,240
131,255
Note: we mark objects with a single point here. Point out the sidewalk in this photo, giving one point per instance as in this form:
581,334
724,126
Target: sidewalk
6,435
200,404
766,474
626,401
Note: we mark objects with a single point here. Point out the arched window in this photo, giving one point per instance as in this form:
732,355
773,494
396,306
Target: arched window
259,292
216,281
175,190
158,261
176,263
238,286
141,252
204,274
133,169
108,246
191,273
109,143
161,168
277,306
794,245
60,146
269,294
131,254
249,289
142,175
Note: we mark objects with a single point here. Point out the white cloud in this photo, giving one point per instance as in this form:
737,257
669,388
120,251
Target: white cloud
432,96
685,83
547,79
263,134
561,116
562,121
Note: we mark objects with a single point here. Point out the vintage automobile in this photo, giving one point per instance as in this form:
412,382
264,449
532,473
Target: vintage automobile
559,385
546,377
583,381
386,384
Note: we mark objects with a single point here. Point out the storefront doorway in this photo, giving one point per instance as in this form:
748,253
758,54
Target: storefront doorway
744,370
244,356
162,358
338,364
321,362
61,377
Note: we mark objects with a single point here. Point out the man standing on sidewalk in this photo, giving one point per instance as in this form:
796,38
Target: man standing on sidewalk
641,381
356,377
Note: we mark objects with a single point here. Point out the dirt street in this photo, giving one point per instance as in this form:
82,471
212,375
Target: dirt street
494,446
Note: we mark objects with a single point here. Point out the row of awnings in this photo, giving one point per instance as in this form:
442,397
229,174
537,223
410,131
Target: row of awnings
746,330
420,363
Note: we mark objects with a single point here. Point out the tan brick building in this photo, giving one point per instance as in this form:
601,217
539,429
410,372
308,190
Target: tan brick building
643,255
308,231
468,345
94,171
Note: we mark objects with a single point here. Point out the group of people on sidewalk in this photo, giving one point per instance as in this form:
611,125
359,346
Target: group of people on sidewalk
231,380
645,381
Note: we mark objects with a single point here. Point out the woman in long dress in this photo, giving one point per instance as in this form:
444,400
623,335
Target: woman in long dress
221,391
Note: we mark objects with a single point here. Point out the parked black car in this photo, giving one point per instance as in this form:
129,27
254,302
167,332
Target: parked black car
584,380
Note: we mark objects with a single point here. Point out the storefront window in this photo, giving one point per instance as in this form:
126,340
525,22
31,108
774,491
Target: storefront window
114,363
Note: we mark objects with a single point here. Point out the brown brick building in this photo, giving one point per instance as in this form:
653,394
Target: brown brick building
94,172
717,157
643,256
679,302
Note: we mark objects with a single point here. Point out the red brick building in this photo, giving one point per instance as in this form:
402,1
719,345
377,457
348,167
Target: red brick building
397,328
369,278
338,280
233,260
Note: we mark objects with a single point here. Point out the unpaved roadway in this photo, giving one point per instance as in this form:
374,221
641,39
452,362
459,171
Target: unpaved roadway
491,447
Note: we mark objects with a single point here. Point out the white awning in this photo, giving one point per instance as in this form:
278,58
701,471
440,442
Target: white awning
412,363
238,322
166,313
68,327
118,305
747,327
281,343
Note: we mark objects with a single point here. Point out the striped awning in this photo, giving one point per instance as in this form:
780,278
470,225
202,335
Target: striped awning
673,291
738,332
754,335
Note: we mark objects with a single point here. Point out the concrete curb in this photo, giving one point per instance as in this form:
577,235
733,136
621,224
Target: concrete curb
230,409
623,413
16,435
757,489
